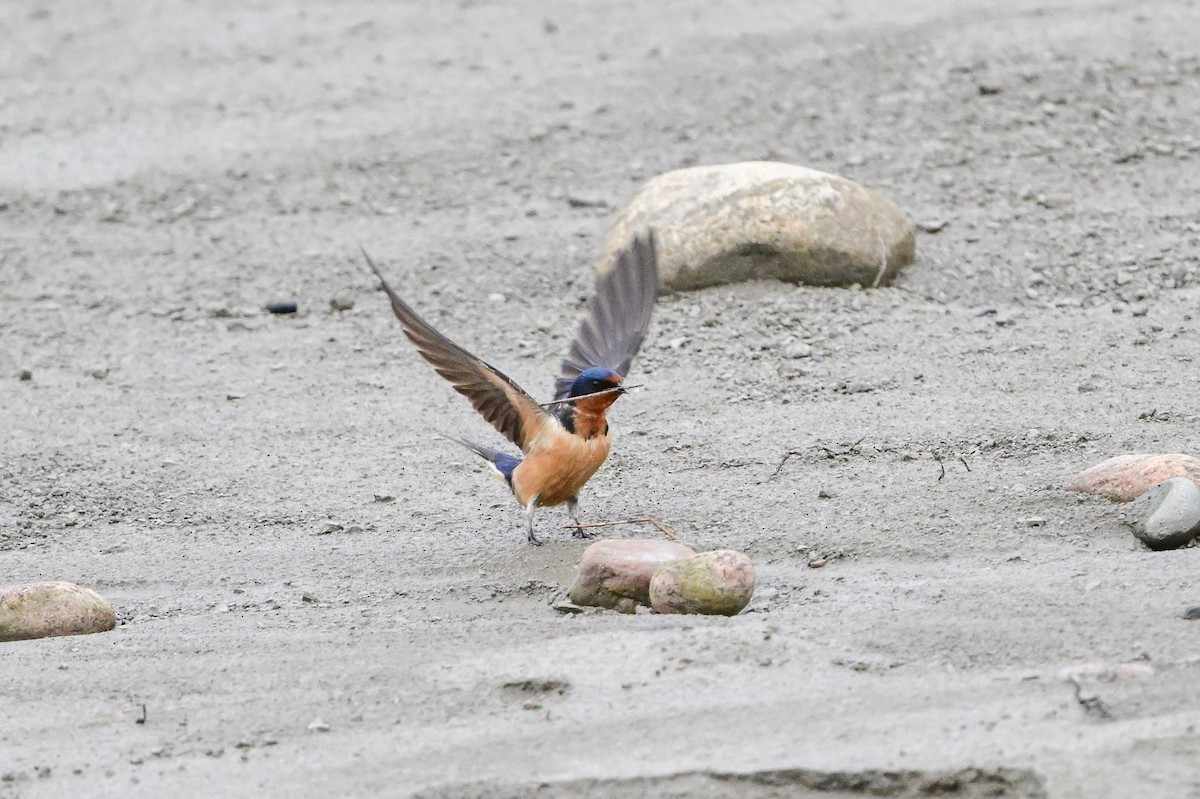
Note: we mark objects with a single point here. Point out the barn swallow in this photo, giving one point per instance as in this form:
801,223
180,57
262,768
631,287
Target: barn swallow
566,441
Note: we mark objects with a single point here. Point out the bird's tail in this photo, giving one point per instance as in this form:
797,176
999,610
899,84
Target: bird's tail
502,462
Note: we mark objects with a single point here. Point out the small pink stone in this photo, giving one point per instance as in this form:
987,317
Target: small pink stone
1126,477
616,573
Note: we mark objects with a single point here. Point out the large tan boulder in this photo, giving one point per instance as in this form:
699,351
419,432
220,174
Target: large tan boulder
765,219
39,610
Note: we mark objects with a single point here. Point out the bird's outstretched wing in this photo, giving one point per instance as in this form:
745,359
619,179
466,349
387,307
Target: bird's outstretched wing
497,398
618,315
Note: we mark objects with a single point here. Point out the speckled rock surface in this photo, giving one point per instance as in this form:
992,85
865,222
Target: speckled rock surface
40,610
718,583
765,219
1126,477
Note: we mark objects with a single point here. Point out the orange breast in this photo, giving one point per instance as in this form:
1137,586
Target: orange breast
558,464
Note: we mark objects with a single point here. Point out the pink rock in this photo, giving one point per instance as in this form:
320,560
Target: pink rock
1107,672
39,610
1126,477
718,583
616,573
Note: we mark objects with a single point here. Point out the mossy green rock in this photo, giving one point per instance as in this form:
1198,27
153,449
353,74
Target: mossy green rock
40,610
764,219
718,583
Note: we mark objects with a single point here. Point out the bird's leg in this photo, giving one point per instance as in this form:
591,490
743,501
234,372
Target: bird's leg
530,508
573,510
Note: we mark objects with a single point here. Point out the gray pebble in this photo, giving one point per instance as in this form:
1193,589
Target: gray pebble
1054,200
1192,613
342,301
1168,515
798,350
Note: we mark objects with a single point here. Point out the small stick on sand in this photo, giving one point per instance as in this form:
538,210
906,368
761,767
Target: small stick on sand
1091,704
779,469
645,520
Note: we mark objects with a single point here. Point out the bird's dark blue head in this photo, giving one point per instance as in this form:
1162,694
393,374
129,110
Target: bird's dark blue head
595,379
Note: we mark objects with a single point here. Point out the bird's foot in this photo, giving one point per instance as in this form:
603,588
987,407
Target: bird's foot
580,532
530,509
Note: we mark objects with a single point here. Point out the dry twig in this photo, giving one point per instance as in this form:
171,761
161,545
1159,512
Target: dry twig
791,453
643,520
1093,705
588,396
850,450
937,456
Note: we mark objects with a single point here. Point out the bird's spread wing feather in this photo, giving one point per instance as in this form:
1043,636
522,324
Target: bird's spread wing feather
618,315
497,398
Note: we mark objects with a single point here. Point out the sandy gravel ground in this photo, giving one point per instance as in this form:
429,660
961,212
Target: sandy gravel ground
167,168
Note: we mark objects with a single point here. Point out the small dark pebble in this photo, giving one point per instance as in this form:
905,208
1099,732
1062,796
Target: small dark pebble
585,202
288,306
1192,613
25,375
